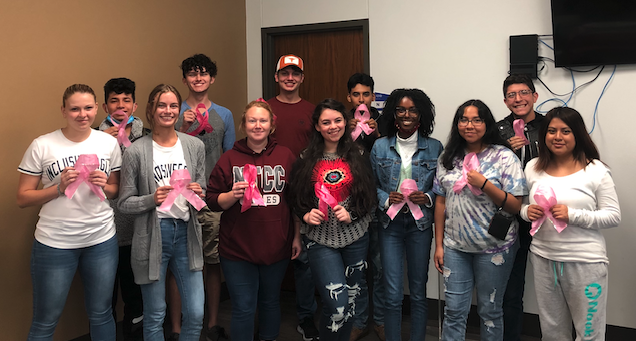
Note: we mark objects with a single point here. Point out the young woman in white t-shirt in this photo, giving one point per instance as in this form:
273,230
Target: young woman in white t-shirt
570,266
76,230
165,239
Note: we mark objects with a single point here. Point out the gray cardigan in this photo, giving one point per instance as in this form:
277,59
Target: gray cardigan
136,196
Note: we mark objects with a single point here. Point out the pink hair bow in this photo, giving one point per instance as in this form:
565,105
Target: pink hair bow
324,198
203,122
252,195
544,196
85,164
519,127
407,187
260,99
362,115
179,181
471,162
122,137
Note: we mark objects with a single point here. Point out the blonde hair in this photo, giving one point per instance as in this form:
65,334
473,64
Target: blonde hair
259,103
154,96
81,88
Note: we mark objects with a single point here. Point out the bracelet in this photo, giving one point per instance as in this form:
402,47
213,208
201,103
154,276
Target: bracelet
59,192
484,185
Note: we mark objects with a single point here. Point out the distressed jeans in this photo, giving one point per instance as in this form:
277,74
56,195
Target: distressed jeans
402,237
337,274
486,272
378,295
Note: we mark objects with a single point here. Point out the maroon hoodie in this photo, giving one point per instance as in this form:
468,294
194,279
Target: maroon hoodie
260,235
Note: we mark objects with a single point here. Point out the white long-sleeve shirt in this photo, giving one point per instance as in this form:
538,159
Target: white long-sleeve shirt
590,196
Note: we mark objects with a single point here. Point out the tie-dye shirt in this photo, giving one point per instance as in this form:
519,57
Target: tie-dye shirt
467,215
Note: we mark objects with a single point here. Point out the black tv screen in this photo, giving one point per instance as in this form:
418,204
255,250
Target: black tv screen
594,32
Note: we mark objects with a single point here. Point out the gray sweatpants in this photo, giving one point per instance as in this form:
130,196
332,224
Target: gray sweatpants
570,292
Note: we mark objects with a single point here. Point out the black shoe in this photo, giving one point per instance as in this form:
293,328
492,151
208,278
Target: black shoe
216,333
173,337
307,328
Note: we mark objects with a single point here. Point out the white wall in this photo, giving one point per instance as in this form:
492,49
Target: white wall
457,50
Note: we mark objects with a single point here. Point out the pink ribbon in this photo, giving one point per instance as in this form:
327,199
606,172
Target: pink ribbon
252,195
122,137
179,180
471,162
519,128
407,187
324,198
362,115
203,122
85,164
544,196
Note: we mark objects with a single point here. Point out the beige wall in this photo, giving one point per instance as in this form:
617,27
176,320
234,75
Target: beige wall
47,46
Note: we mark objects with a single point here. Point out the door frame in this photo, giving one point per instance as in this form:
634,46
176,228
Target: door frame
267,42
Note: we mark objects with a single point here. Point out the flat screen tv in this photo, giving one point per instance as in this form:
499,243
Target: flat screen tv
594,32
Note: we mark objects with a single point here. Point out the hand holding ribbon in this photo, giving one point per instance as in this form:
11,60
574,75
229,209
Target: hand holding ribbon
122,137
362,115
179,180
85,164
519,128
545,197
471,162
203,121
324,198
252,195
407,187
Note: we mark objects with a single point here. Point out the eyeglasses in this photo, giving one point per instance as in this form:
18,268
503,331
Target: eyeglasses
401,111
477,122
522,93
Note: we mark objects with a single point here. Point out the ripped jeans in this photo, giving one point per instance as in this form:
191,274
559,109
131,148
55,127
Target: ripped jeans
486,272
337,274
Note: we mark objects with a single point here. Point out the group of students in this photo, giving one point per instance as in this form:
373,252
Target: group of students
303,184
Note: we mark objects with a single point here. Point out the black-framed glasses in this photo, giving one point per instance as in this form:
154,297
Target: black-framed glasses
402,111
477,122
522,93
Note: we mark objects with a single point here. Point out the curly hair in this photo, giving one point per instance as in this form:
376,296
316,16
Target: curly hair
119,86
456,144
423,104
301,195
518,78
198,62
584,149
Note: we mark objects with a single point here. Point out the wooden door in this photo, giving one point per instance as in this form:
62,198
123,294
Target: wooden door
332,53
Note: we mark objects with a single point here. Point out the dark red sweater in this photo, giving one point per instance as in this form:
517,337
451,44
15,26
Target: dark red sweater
260,235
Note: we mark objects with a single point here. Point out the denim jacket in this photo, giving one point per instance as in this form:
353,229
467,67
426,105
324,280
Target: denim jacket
386,163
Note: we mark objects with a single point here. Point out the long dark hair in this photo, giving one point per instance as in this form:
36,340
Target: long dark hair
423,104
456,144
584,149
301,191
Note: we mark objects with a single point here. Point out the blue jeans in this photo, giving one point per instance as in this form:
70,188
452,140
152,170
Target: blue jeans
513,298
361,317
400,237
337,274
251,285
190,284
486,272
305,289
52,271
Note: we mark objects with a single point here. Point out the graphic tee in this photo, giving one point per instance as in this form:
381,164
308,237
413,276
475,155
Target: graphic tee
164,161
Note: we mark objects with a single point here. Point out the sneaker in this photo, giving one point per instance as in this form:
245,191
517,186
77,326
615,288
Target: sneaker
357,333
379,331
307,328
216,333
173,337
